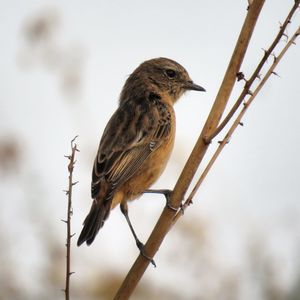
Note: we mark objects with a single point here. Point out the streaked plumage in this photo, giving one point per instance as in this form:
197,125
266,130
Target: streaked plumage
138,139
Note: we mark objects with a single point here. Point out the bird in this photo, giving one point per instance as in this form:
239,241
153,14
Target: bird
137,142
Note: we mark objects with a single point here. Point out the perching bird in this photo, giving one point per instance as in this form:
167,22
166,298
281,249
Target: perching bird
137,141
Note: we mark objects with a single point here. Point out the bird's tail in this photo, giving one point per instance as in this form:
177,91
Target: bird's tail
94,221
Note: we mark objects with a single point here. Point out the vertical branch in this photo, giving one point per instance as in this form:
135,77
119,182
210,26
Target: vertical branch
68,192
165,221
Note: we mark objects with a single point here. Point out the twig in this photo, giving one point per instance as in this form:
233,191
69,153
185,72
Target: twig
165,221
256,73
68,192
237,121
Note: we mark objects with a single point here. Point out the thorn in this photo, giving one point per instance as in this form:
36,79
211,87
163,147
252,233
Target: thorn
274,73
274,56
265,51
70,273
240,76
286,36
72,234
74,183
258,76
249,93
67,156
245,103
74,139
221,142
241,123
64,221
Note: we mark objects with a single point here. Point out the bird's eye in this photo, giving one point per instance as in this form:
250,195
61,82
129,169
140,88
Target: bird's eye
171,73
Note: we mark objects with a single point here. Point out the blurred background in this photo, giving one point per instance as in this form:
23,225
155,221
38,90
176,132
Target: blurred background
63,66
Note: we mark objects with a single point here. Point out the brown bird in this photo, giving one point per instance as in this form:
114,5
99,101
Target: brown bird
137,141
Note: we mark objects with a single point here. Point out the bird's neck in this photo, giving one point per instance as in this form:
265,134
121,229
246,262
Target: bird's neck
138,88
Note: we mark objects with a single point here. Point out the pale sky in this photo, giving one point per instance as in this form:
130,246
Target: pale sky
253,190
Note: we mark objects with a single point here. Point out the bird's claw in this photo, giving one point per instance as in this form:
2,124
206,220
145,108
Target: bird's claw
167,193
168,198
140,245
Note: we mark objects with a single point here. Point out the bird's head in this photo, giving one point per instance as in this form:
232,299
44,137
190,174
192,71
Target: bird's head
162,76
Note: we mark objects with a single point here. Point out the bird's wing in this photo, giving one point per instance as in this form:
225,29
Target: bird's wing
134,131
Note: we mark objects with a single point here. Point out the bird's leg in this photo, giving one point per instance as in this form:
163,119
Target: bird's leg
167,193
140,245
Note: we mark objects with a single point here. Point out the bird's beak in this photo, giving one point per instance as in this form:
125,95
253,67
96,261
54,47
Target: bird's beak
190,85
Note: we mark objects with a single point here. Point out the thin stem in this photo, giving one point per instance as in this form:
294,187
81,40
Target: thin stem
237,121
69,216
165,221
248,84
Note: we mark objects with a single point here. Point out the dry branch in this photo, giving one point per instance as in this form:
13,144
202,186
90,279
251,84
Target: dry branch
256,73
238,120
68,192
165,221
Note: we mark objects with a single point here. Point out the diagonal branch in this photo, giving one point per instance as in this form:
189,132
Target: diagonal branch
165,221
248,84
237,121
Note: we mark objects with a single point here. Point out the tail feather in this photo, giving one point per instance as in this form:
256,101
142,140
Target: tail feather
94,221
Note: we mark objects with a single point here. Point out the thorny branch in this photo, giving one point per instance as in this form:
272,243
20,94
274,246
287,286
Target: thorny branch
238,120
165,221
168,218
68,192
256,74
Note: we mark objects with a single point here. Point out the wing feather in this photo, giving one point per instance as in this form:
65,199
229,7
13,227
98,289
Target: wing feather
133,132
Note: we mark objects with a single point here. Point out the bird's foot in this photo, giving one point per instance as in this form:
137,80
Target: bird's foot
167,193
141,246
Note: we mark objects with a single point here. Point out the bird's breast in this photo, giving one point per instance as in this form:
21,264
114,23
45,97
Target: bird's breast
153,166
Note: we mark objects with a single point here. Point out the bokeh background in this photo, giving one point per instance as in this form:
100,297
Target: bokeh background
63,65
